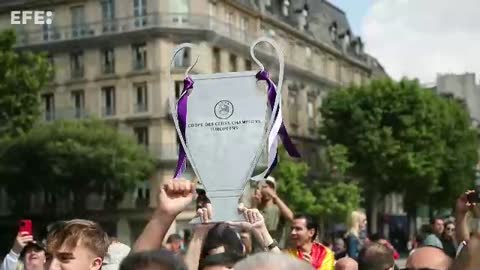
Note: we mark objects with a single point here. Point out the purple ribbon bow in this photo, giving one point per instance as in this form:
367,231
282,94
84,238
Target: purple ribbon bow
182,122
282,132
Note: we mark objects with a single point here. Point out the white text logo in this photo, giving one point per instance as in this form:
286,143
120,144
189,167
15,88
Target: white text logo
25,16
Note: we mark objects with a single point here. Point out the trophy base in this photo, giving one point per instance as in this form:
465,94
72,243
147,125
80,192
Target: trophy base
224,208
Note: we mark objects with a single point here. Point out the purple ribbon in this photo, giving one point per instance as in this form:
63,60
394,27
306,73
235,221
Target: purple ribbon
182,105
282,132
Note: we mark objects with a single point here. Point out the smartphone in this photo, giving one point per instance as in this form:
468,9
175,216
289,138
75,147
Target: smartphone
25,226
474,197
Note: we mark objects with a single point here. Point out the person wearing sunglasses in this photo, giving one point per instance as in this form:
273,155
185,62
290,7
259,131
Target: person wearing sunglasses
448,240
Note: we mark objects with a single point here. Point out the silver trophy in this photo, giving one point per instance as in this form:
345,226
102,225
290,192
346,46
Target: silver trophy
224,121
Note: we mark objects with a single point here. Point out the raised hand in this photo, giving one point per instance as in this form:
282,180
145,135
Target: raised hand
21,241
174,196
463,205
205,213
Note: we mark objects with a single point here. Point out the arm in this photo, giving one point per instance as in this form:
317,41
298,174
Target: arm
284,210
256,224
173,197
461,214
11,260
192,258
265,238
352,247
154,233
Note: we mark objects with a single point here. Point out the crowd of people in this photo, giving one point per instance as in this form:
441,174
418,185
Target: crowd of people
258,243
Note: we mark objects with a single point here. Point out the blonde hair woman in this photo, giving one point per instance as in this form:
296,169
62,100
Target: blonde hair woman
355,237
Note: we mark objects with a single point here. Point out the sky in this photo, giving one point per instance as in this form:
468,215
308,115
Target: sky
418,38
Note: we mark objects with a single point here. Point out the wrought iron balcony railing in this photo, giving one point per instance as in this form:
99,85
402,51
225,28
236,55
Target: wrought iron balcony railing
167,21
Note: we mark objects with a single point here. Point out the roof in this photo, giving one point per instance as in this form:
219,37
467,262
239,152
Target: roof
322,15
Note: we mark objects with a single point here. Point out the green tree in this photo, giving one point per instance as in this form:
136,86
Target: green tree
73,156
331,198
22,76
399,139
292,187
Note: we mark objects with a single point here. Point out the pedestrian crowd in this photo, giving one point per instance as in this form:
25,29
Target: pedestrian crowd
258,243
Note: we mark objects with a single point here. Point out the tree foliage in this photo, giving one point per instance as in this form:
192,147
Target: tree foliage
402,138
73,156
22,76
329,197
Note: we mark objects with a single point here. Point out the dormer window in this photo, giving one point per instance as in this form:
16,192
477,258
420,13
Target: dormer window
358,45
285,7
333,31
346,40
302,17
305,10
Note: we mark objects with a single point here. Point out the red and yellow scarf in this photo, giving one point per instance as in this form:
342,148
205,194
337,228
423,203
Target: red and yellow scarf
322,257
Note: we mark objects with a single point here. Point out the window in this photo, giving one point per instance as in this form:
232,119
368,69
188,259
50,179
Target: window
78,21
141,97
310,109
248,64
140,12
182,59
179,6
285,7
243,24
178,88
76,64
108,61
108,15
212,9
233,62
338,72
292,107
230,18
311,113
49,106
216,60
78,100
108,101
139,56
51,62
141,133
48,32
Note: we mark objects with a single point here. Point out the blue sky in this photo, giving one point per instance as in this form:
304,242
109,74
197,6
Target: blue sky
355,10
418,39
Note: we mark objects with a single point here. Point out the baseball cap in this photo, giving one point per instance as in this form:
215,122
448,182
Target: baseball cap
271,180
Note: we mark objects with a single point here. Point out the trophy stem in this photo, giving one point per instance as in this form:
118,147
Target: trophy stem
225,208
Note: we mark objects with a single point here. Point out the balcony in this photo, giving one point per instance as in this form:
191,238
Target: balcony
164,152
141,108
77,73
50,115
139,65
108,111
68,113
155,22
108,69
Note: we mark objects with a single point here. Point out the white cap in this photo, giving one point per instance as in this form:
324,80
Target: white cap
271,180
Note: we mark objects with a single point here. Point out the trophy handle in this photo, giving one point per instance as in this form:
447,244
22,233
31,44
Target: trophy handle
171,99
275,122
